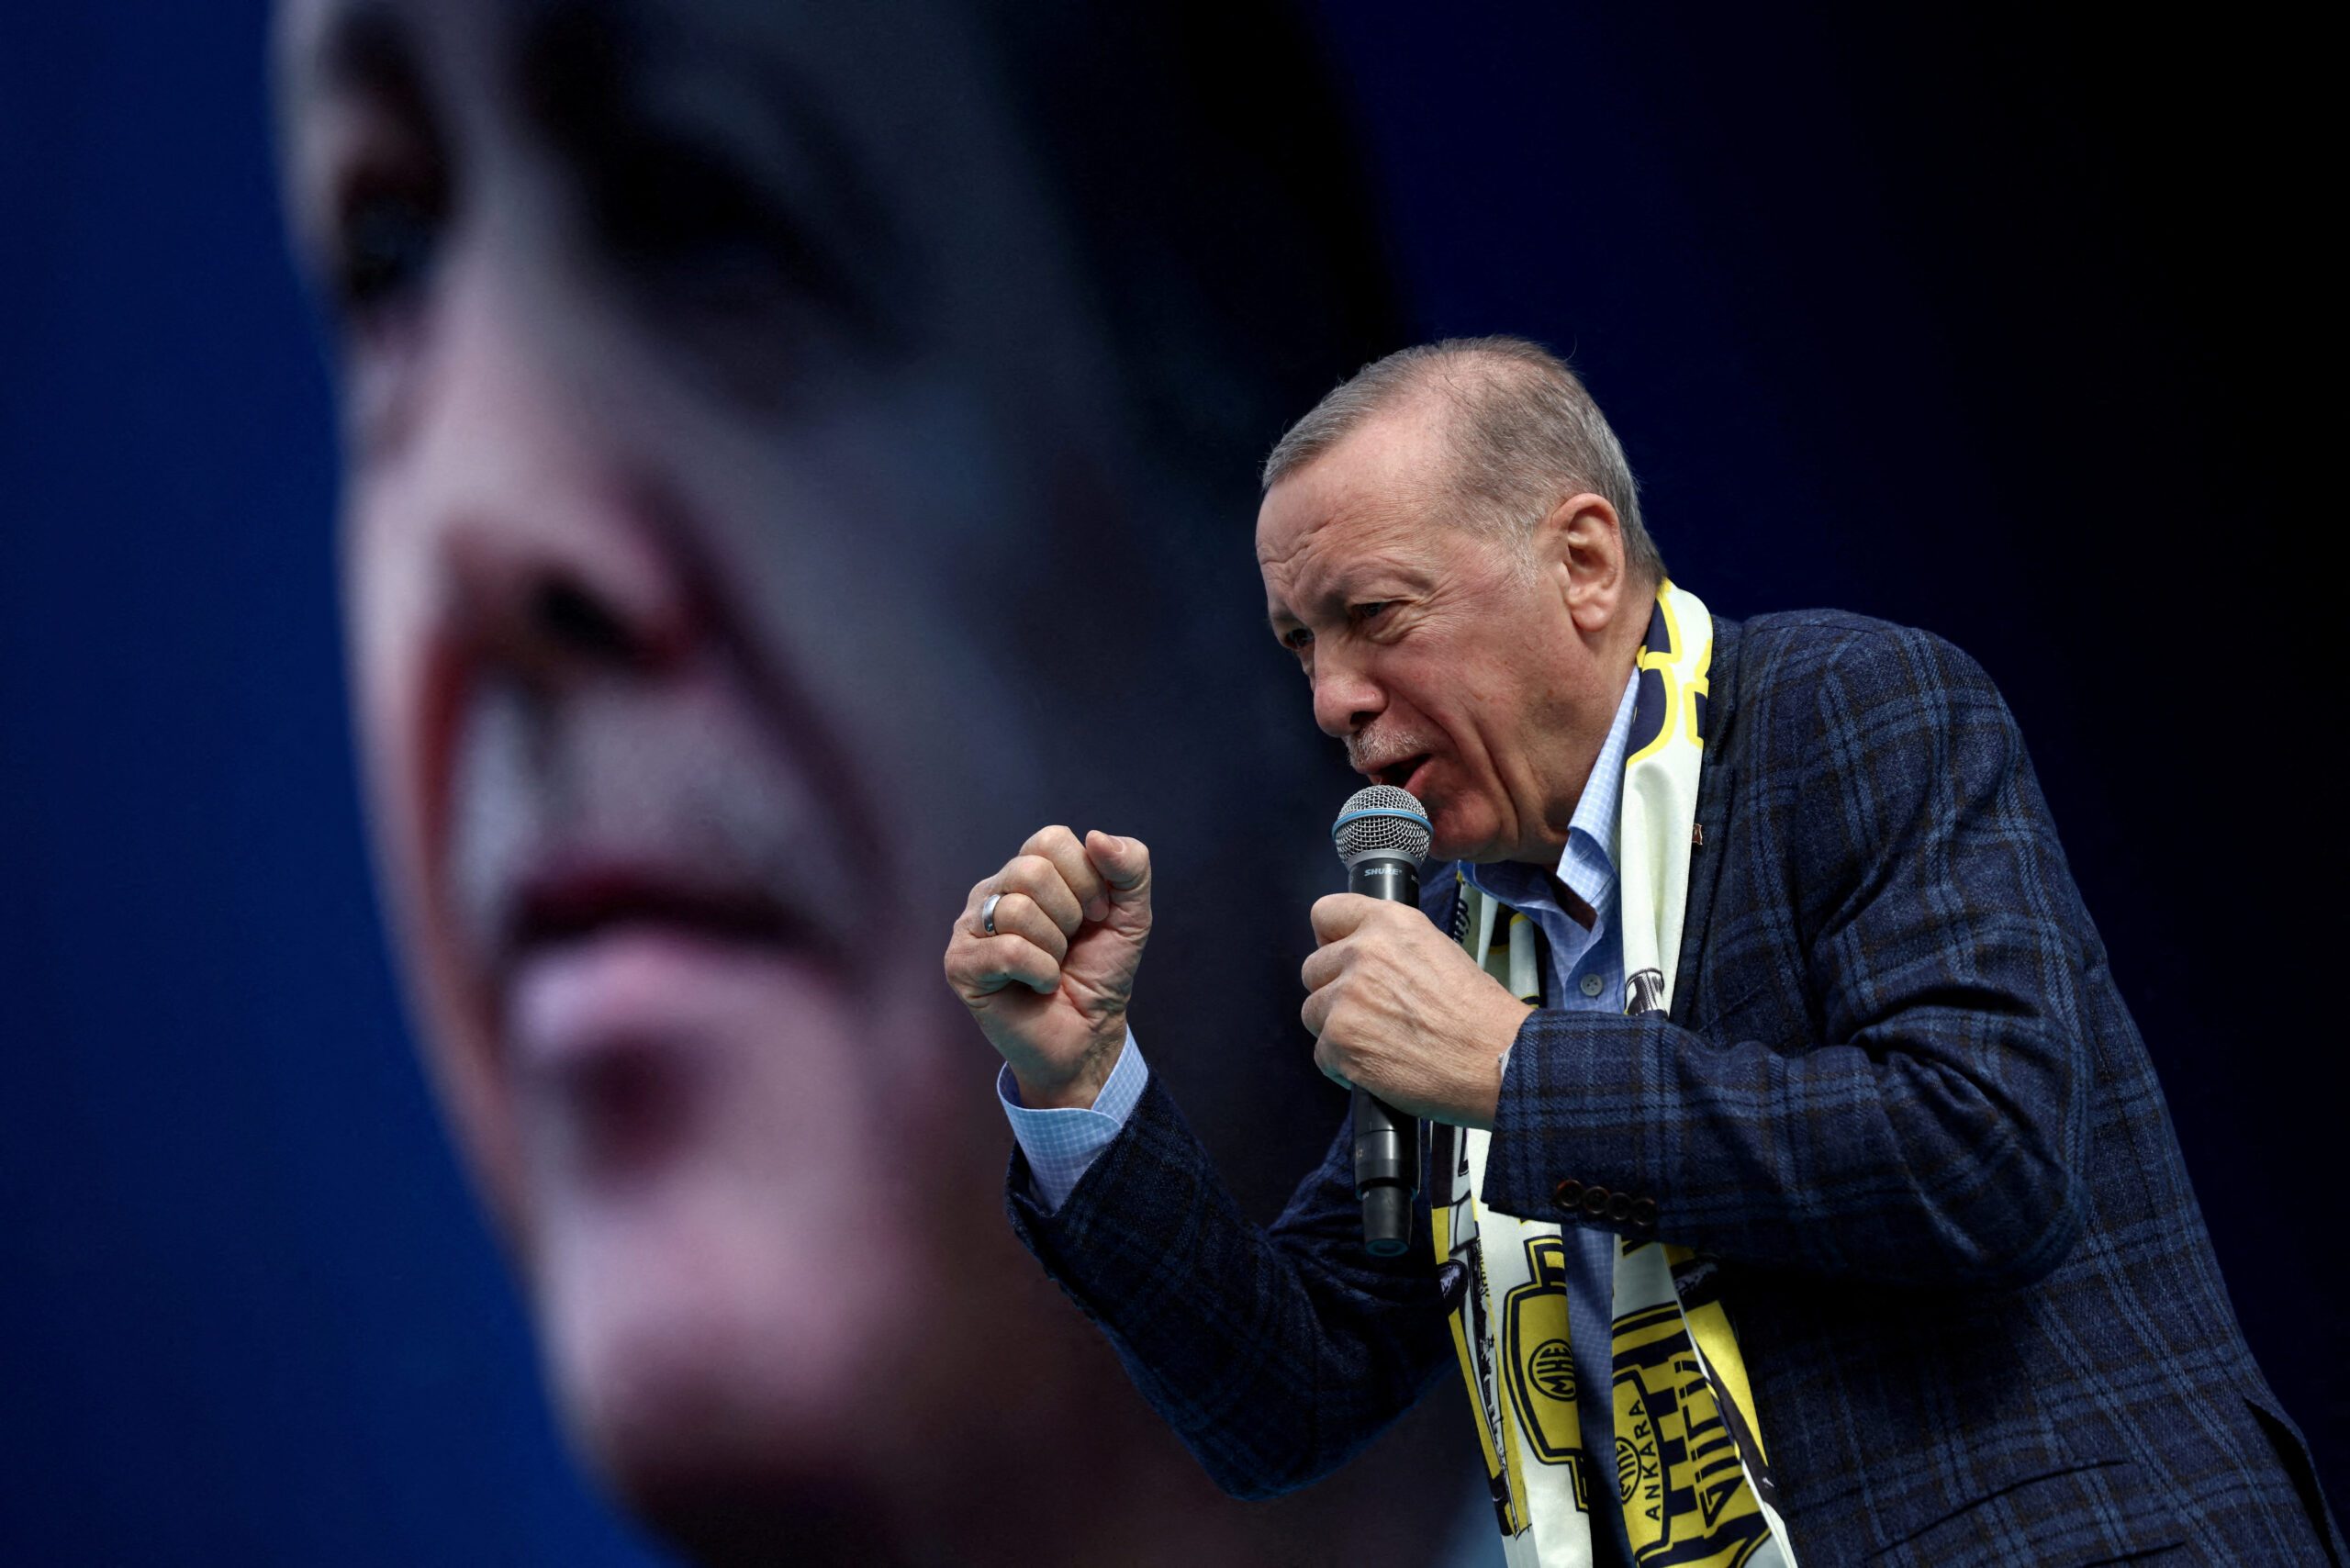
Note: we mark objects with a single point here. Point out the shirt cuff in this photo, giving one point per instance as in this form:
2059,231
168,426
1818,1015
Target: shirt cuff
1061,1144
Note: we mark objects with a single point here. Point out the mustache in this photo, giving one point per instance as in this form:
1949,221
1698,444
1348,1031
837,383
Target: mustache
692,784
1372,751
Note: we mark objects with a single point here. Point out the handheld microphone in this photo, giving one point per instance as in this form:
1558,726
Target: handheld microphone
1383,835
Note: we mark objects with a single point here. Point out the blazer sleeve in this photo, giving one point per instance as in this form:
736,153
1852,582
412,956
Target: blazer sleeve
1275,1353
1933,1125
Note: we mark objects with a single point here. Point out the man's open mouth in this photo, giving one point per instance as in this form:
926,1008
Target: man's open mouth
1400,774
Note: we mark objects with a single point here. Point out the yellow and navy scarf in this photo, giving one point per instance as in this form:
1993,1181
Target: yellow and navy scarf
1689,1470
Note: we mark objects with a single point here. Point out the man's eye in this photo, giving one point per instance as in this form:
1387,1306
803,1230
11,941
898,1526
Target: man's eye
1374,609
1297,638
385,250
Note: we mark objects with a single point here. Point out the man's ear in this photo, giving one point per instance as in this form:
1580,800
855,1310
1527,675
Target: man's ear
1580,547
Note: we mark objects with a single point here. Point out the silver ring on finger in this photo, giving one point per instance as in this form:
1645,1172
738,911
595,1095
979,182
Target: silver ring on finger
986,913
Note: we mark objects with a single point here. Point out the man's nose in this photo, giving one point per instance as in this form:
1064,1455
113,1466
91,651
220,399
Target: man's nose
1345,697
545,509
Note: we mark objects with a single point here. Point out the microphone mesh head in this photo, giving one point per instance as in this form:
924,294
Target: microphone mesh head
1381,819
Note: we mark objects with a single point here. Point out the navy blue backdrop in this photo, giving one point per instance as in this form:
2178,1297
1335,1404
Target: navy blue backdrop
1991,326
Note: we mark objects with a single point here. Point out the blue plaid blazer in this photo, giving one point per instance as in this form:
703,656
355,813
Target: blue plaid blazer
1899,1099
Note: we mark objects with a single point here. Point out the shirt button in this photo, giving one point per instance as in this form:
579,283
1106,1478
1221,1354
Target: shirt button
1591,984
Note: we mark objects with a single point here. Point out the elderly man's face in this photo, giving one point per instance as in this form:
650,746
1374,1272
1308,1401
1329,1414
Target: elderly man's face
693,360
1450,663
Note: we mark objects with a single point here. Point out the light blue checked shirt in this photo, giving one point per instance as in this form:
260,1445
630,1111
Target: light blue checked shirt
1061,1143
1583,972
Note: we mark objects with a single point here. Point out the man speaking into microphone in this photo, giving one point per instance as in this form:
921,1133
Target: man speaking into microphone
1794,1187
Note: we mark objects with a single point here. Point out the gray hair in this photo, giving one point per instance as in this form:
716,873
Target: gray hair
1524,435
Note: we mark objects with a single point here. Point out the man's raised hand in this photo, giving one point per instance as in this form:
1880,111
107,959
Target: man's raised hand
1050,986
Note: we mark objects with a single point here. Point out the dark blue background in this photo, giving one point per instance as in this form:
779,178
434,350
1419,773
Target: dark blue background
1995,326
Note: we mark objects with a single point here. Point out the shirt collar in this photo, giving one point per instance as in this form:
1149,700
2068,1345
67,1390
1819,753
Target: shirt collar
1587,864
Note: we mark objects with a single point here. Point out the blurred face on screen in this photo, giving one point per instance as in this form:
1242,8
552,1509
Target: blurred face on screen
717,418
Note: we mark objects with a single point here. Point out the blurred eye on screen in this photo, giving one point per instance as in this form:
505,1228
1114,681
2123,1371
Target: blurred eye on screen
686,225
388,201
385,242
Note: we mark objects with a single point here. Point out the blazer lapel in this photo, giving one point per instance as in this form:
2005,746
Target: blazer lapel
1716,772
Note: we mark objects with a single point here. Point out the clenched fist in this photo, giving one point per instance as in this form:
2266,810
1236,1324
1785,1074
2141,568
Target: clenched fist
1397,1007
1050,986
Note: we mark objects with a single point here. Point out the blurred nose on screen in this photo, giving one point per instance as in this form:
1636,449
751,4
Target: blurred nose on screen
538,501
